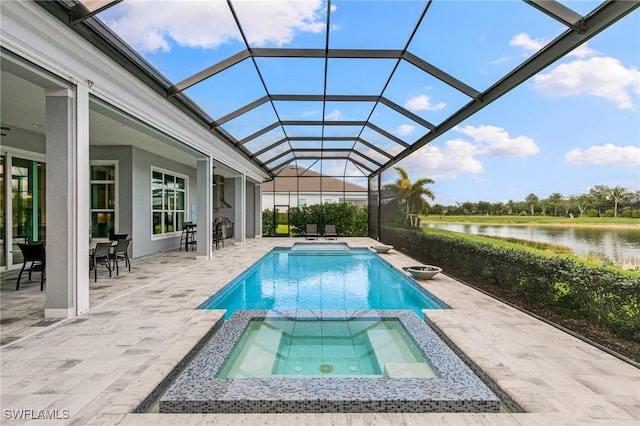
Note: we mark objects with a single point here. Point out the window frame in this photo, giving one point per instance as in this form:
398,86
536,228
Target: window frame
163,211
116,196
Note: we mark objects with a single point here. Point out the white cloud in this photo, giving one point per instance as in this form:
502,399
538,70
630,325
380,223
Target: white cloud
150,25
423,102
334,115
309,113
527,43
496,141
608,154
583,51
405,129
599,76
457,156
499,60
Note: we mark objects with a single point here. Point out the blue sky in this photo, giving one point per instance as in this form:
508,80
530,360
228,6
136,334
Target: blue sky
574,125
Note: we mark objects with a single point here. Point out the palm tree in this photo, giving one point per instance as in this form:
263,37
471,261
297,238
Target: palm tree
510,204
617,194
556,199
411,195
532,199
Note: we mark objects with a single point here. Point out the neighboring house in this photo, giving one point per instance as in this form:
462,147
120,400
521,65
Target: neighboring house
298,187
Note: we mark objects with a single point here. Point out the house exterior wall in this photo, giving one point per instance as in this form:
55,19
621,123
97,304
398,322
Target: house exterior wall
143,242
293,199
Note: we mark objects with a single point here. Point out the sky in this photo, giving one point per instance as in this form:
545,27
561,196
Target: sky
574,125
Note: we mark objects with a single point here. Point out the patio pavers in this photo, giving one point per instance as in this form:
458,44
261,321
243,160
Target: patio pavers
101,365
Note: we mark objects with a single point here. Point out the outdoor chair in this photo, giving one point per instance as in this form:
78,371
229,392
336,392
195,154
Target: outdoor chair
312,231
120,252
330,232
34,254
218,236
101,257
188,237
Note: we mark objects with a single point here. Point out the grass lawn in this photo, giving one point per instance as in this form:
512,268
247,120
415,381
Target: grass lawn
534,220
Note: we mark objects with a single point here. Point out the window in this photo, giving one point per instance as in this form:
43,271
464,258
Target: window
302,202
328,200
169,198
103,199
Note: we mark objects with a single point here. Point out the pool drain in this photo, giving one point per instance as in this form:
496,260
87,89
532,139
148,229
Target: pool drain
325,368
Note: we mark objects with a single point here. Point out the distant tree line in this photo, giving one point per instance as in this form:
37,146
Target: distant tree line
601,200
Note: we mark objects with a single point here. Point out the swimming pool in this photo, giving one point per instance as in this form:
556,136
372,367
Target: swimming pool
322,276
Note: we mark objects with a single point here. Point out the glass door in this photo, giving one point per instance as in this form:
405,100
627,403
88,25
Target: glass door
28,204
3,215
281,219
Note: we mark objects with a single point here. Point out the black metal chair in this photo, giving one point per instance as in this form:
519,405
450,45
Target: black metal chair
218,236
188,237
35,254
101,256
121,252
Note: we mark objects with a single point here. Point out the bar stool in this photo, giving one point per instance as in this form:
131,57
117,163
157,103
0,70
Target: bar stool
188,237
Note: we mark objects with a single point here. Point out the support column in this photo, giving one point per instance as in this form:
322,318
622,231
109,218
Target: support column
240,227
67,147
205,206
258,204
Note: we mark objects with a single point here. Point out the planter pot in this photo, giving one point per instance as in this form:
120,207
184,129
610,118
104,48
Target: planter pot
381,248
424,272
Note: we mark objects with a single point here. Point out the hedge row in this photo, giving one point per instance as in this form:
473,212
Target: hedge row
599,295
350,220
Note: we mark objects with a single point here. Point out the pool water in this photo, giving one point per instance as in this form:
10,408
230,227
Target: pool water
326,348
352,279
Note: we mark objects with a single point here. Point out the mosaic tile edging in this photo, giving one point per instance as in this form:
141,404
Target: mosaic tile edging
198,391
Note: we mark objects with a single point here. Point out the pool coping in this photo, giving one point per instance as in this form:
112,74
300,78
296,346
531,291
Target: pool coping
197,390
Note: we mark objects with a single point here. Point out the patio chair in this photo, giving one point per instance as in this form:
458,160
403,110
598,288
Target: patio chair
101,256
34,254
188,237
330,232
312,231
121,252
218,236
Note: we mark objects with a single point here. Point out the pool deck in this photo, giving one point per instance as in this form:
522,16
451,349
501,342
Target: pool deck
98,367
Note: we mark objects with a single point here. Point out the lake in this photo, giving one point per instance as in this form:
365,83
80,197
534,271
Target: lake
621,246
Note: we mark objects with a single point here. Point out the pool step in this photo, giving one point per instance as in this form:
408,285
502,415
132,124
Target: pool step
259,359
394,370
394,360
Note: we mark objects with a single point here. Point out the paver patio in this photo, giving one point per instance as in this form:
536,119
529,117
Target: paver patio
101,365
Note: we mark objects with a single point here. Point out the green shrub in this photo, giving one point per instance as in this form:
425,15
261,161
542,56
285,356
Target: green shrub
522,213
609,213
267,222
599,295
592,213
350,220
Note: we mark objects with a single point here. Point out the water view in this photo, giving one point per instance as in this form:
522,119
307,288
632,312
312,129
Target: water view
621,246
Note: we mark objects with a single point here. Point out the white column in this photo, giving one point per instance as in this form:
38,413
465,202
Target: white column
67,198
205,206
258,204
240,227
